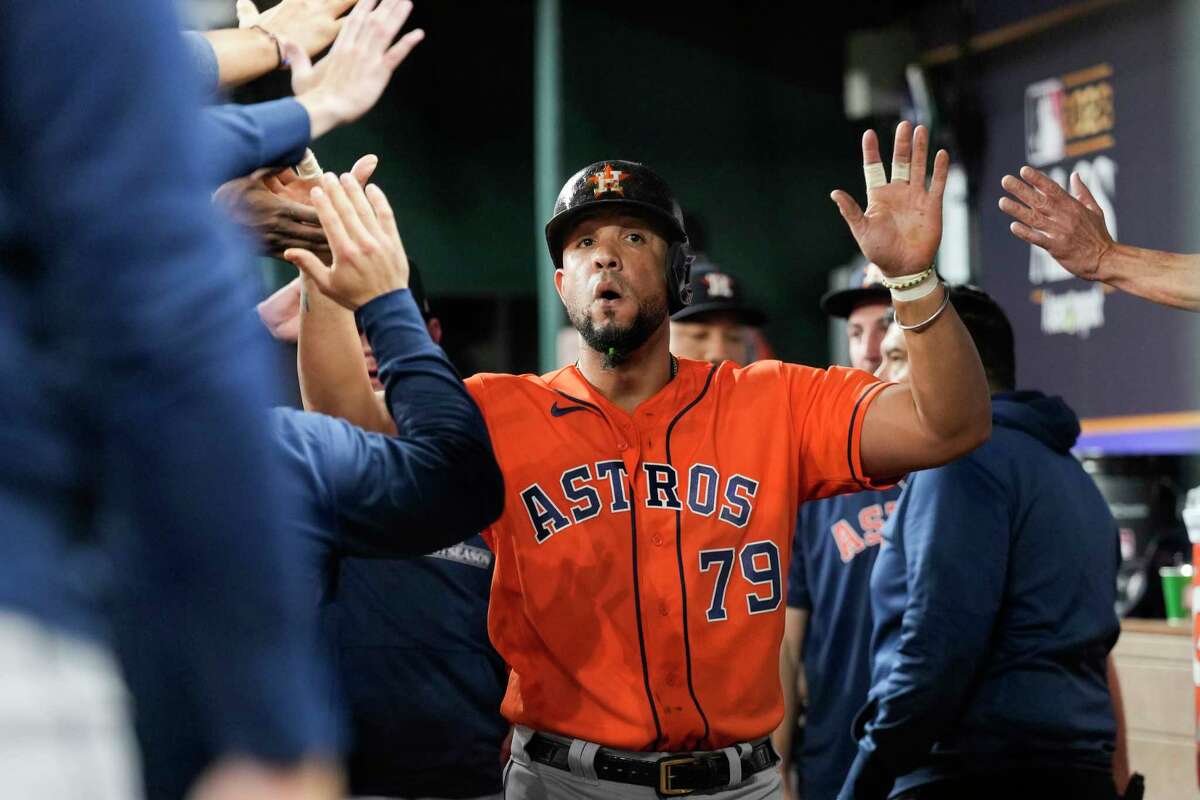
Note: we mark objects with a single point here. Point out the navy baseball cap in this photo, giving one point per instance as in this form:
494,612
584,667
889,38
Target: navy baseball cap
417,287
864,287
715,290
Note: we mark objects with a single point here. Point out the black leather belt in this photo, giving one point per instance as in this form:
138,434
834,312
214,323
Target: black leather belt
673,775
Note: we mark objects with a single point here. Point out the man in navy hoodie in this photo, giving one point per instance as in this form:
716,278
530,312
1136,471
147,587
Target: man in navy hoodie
993,611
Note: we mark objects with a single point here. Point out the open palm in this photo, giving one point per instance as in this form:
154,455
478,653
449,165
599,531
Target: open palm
902,227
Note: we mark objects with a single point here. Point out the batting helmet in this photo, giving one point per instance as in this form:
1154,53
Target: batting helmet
625,186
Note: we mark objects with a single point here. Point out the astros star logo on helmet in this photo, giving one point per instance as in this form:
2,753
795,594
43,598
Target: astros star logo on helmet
608,180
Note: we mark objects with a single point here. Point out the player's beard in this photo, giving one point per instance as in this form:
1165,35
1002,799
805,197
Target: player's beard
614,342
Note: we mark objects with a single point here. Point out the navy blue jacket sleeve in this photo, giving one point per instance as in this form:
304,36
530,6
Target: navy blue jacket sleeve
240,139
203,60
955,529
145,316
436,482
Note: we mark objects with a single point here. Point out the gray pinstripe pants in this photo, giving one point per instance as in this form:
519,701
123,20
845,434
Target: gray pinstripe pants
64,729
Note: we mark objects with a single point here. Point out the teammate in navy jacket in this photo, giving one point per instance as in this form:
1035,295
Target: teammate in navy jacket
133,385
993,602
828,621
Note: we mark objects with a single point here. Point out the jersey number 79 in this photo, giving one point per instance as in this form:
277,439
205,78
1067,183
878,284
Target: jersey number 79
759,563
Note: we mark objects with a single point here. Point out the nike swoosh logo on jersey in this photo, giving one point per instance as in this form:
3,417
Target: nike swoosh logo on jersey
559,411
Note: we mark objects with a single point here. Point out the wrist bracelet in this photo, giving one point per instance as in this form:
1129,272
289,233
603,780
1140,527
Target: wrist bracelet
932,317
275,39
907,281
922,289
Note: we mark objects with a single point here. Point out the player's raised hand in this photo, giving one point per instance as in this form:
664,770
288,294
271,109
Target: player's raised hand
1071,229
348,81
368,256
902,226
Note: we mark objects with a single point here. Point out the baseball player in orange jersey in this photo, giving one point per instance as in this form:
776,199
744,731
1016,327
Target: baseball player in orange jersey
638,592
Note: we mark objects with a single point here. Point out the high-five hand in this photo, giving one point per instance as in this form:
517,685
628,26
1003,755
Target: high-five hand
348,81
902,226
1071,229
368,256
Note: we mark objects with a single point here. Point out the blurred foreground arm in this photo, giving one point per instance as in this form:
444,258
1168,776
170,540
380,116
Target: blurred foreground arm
342,87
108,197
1072,229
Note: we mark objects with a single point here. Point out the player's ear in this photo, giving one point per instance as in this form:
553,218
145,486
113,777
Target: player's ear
558,282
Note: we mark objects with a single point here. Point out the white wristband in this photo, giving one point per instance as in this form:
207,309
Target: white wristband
922,289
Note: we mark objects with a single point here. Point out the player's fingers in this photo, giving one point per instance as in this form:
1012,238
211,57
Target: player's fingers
364,168
299,213
311,266
346,212
870,147
301,232
1083,194
352,27
339,7
399,51
1028,234
872,166
383,212
387,21
362,207
331,220
1042,182
297,61
850,210
274,185
361,15
920,154
902,151
1023,192
941,170
1022,213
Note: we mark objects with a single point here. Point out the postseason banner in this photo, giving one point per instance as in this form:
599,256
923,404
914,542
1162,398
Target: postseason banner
1107,98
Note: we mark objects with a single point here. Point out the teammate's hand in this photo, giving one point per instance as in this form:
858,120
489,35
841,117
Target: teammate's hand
368,256
312,24
281,312
286,183
348,81
902,226
276,221
242,779
1071,229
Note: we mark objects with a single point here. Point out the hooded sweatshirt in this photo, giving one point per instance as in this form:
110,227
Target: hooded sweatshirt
993,599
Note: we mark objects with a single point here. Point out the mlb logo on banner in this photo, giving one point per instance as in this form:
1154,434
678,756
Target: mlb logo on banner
1069,116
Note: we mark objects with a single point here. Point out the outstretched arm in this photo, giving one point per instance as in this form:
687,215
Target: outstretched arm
339,90
944,411
1072,229
417,480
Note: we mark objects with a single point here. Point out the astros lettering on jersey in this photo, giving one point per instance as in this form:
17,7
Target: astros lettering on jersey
640,561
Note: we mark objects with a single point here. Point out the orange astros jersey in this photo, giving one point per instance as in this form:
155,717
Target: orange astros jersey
639,582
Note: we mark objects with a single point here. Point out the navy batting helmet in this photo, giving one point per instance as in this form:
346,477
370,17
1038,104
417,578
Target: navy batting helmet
635,188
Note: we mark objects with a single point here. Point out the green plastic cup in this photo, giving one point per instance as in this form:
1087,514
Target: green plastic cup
1175,583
